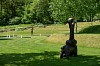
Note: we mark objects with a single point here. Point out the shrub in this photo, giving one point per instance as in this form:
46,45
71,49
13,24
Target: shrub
15,21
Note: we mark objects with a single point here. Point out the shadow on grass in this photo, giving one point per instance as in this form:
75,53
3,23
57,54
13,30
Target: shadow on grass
46,59
5,39
91,30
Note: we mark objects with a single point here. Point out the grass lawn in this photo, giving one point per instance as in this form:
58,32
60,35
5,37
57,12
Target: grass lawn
36,51
44,51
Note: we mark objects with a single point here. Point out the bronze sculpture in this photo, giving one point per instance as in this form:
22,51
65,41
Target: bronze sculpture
70,49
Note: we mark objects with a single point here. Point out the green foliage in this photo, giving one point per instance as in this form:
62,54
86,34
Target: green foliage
15,21
43,13
48,11
63,9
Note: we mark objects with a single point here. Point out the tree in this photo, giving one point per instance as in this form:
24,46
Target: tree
47,11
78,9
10,9
43,13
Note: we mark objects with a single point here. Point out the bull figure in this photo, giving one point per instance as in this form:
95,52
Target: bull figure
69,50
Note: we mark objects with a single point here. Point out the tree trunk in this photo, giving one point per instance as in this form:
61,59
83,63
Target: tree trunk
76,27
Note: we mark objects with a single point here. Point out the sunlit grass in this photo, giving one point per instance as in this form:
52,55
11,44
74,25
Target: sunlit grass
87,40
36,51
44,50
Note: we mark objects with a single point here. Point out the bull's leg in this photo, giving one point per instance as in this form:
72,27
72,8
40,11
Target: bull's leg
61,54
75,51
67,52
67,55
71,53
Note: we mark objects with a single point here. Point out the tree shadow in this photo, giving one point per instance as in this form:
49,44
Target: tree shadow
46,59
91,30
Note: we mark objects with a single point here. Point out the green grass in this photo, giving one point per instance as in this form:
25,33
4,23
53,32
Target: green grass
91,29
14,26
36,51
44,51
51,29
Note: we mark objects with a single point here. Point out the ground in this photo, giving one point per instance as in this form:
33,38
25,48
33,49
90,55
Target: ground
44,50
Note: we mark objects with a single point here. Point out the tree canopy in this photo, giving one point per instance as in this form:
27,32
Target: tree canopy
47,11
